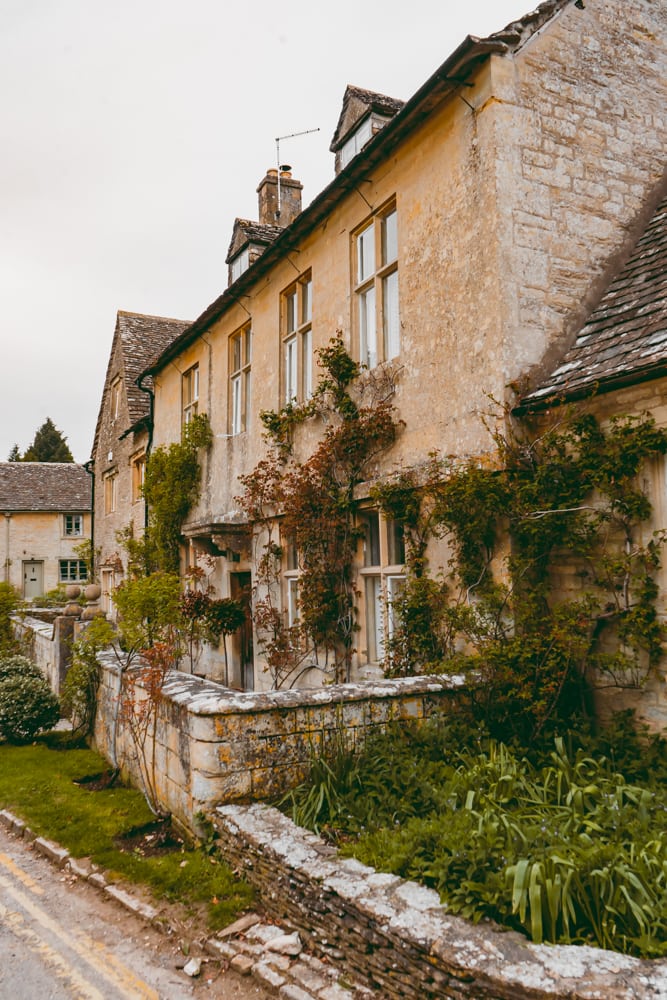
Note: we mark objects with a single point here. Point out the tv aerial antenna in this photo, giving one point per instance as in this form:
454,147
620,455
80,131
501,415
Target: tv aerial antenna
279,139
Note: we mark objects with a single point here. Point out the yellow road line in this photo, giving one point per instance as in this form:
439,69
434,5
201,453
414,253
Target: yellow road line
93,953
22,876
49,956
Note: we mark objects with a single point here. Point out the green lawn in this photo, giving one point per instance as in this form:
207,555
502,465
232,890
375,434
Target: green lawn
37,784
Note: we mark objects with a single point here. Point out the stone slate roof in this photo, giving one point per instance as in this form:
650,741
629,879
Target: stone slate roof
625,337
141,340
357,102
246,232
44,486
144,338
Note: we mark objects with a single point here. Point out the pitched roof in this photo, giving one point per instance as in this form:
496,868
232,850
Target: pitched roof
447,80
44,486
141,340
246,232
357,103
144,338
625,337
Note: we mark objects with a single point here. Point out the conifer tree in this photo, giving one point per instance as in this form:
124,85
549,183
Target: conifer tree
49,445
14,455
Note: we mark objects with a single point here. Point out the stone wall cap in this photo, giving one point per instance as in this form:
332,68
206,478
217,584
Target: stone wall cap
205,697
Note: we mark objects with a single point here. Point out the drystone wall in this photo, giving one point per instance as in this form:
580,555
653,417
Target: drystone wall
214,745
48,644
395,937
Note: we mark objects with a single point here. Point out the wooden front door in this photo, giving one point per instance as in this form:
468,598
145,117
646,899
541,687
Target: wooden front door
33,578
240,586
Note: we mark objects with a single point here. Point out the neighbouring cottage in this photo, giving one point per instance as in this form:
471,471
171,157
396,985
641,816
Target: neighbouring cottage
461,245
47,516
122,439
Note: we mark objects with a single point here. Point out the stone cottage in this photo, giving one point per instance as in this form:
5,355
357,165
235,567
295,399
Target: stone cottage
462,243
46,508
122,439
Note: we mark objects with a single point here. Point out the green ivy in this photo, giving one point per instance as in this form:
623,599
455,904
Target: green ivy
560,494
171,488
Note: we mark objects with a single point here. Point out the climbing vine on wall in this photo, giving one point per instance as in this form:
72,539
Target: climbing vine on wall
306,499
551,580
171,488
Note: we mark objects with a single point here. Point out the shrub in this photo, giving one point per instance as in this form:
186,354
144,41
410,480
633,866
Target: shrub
10,666
27,704
9,602
79,692
569,847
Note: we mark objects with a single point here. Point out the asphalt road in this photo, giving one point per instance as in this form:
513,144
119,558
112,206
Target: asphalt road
61,939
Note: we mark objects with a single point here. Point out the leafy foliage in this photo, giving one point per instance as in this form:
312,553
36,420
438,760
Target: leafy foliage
171,488
148,610
27,704
314,497
550,585
79,692
9,603
48,445
565,847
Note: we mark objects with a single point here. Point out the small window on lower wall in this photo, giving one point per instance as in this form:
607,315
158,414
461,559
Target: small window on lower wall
382,571
138,477
72,571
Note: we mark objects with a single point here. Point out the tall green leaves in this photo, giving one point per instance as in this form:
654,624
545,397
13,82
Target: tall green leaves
565,848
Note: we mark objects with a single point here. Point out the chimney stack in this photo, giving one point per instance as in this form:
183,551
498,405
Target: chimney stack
290,198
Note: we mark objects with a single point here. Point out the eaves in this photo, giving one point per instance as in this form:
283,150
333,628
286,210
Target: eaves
603,386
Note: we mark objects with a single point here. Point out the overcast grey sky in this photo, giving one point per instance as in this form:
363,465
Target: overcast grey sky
133,133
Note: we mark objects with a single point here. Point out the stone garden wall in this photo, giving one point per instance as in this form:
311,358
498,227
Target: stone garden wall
215,745
48,644
395,937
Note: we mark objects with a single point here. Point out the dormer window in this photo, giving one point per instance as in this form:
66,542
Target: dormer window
363,115
240,263
356,142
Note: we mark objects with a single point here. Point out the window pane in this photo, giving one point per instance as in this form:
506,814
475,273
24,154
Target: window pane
246,402
374,633
290,370
247,336
367,331
396,543
392,339
389,238
306,301
371,521
307,364
366,253
395,587
291,303
236,354
236,404
240,264
292,600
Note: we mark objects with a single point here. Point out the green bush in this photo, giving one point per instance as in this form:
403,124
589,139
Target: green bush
27,704
569,847
9,602
10,666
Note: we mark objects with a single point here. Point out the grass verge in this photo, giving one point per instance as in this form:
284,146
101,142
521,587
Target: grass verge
37,783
